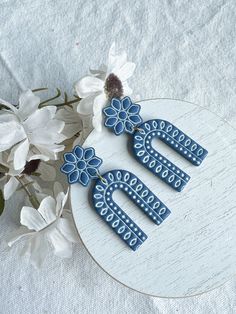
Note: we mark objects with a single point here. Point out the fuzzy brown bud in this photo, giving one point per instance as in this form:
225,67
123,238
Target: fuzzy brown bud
113,87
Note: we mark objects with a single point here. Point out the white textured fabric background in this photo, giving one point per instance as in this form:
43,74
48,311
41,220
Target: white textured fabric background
183,49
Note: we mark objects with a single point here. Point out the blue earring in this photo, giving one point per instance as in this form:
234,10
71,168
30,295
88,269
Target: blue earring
81,165
123,116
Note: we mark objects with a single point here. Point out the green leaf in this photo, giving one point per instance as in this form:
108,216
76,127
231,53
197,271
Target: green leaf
37,174
2,203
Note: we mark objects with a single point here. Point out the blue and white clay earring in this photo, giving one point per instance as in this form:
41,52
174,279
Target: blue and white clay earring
81,165
123,116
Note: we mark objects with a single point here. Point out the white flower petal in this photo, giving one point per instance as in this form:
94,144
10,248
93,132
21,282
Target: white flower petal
8,105
52,110
126,71
45,138
55,126
32,219
100,72
39,118
60,232
49,151
20,153
19,234
67,114
62,247
45,152
28,103
10,134
7,116
73,122
10,187
97,122
67,228
38,250
85,106
86,119
47,209
71,129
99,103
88,85
38,156
61,201
57,188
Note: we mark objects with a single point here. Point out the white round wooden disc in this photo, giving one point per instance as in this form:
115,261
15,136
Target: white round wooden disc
193,250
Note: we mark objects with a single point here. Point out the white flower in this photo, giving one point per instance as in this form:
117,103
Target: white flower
49,225
103,84
29,132
75,124
9,182
73,121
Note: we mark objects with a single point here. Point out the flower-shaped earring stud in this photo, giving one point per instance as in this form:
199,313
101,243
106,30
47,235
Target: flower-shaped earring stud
81,165
122,115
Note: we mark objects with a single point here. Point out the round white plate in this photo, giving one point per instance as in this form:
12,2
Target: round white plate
193,250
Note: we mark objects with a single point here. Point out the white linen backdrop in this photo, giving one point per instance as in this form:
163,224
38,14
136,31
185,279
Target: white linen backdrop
183,49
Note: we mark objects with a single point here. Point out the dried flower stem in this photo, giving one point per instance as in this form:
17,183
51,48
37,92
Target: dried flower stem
50,99
39,89
65,103
32,198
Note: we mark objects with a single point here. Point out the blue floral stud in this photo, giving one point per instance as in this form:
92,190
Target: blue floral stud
81,165
122,115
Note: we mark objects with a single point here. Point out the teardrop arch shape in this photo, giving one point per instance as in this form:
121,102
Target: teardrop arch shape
174,138
115,217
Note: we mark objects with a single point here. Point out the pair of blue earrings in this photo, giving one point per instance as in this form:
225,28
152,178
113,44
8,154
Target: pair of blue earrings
82,165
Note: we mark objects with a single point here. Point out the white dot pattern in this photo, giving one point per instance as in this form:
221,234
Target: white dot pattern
157,163
115,217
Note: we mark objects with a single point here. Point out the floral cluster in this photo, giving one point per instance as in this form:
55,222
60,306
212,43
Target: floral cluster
81,165
35,133
122,115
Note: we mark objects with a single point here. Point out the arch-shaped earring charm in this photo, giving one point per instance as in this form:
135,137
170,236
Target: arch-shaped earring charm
157,163
81,165
115,217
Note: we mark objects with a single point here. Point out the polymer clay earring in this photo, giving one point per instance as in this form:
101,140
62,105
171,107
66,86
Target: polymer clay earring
123,116
81,165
